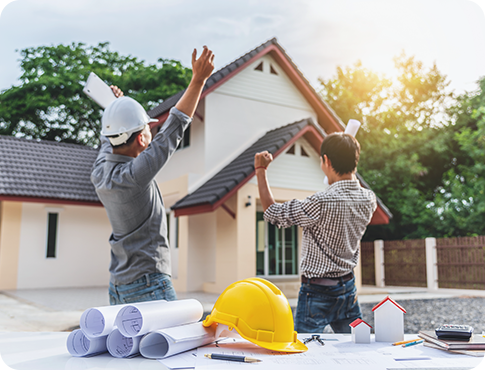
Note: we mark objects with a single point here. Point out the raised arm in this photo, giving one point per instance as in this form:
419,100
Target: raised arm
261,163
201,71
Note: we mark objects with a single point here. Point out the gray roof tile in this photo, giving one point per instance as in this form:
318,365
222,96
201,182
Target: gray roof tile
46,169
240,168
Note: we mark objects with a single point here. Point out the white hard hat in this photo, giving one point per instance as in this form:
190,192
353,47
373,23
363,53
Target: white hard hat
123,117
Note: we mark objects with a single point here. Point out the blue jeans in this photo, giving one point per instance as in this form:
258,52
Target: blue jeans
319,306
150,287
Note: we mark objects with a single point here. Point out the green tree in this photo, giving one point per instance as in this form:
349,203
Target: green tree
49,103
460,200
405,149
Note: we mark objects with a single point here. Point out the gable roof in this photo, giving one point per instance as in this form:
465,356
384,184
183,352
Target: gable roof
327,118
46,170
357,322
388,299
232,177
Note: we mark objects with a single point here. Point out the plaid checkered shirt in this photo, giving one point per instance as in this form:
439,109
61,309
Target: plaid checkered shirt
333,223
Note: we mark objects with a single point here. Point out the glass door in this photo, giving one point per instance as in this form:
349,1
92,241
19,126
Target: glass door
276,249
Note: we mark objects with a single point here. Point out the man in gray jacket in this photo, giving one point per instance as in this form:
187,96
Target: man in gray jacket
124,178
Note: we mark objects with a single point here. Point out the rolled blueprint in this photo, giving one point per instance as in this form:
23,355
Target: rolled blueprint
140,318
351,129
121,346
99,321
80,345
171,341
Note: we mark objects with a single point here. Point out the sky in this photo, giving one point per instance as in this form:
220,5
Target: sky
319,35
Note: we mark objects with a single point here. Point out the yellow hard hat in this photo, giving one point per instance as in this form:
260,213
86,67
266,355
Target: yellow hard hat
260,313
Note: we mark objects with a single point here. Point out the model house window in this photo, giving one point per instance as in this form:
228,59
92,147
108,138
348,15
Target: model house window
276,249
272,70
304,153
291,150
185,142
52,220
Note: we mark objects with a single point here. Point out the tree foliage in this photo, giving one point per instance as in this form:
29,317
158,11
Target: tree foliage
419,151
49,103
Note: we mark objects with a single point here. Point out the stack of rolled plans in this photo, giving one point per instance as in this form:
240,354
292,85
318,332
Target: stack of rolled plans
155,329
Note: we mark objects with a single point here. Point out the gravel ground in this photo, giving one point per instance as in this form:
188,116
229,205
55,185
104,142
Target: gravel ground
428,314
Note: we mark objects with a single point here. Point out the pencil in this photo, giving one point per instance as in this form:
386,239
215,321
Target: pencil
217,356
404,342
413,343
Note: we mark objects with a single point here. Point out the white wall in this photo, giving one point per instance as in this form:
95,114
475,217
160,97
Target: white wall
294,171
189,160
244,108
83,251
202,250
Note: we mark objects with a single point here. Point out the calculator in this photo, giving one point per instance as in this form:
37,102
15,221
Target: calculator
454,332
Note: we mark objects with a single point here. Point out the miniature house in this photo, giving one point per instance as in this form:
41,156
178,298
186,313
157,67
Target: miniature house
360,331
388,321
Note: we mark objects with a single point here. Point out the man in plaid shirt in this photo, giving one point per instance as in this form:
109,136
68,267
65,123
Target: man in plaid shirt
333,223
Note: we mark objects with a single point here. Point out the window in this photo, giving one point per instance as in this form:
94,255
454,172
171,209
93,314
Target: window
52,219
259,67
272,70
276,249
291,150
304,153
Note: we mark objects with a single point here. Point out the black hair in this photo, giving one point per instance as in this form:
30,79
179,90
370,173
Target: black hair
130,140
343,151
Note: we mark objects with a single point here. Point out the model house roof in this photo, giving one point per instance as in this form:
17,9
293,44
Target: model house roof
227,181
46,170
357,322
327,118
388,299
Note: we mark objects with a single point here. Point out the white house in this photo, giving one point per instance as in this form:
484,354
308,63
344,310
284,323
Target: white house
261,101
360,331
388,321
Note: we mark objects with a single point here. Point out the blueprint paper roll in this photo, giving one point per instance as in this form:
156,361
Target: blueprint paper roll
79,345
171,341
352,127
120,346
140,318
99,321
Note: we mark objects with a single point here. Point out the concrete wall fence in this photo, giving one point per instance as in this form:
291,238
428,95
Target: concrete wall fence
456,263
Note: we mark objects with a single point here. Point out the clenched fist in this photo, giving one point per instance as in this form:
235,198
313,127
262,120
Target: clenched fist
262,159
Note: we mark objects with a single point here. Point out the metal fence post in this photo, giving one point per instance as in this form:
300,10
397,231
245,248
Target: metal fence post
431,264
379,261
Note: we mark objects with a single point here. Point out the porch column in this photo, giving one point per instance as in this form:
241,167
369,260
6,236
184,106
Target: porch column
431,264
379,263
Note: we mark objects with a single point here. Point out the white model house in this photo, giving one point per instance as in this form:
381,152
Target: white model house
54,231
388,321
360,331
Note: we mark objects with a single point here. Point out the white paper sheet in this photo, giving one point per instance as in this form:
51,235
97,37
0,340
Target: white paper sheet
79,345
122,347
168,342
184,360
317,357
140,318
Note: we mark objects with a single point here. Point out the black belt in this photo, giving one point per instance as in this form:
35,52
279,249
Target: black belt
327,281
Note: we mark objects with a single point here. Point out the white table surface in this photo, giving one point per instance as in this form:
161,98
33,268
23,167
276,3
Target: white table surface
39,351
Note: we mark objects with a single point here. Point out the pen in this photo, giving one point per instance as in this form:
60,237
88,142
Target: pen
217,356
413,343
404,342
